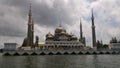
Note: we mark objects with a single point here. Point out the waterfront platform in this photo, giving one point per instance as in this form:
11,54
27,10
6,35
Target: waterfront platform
65,52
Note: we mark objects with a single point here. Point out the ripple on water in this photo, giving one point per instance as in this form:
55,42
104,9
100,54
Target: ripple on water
60,61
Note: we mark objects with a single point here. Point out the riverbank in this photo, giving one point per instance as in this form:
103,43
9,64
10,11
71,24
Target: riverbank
32,52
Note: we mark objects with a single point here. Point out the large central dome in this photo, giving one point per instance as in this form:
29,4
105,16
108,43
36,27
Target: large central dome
60,29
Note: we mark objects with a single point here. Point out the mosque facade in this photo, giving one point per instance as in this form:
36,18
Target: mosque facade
61,40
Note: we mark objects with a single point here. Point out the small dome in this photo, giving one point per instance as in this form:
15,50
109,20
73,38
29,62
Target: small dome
49,35
73,37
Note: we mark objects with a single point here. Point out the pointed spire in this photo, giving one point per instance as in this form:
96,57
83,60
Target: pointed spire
30,15
92,13
30,12
92,17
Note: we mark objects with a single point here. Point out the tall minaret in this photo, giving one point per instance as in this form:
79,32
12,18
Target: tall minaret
82,39
93,32
30,34
81,33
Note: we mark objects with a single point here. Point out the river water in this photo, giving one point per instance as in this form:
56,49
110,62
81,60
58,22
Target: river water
60,61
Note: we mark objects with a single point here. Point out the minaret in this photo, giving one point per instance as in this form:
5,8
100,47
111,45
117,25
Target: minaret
93,31
81,33
30,34
82,39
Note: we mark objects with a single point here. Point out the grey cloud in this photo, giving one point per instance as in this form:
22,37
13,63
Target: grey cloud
51,17
8,29
43,15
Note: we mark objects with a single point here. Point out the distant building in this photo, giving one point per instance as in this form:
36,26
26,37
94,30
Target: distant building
10,46
115,46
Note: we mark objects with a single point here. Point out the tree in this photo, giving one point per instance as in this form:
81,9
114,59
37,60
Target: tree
99,44
113,40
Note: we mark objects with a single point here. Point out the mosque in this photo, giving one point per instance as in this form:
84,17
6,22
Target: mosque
60,40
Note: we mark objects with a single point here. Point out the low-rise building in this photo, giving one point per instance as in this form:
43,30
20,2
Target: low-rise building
115,46
10,46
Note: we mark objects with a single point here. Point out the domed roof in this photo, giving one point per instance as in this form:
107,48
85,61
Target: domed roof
49,35
73,36
59,29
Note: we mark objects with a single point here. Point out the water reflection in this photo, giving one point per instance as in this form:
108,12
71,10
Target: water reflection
60,61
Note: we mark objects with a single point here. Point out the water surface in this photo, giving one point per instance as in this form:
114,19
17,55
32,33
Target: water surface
60,61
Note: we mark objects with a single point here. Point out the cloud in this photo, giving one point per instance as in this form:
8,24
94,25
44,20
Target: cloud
48,14
11,22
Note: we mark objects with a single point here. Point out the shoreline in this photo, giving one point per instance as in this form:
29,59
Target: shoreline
65,52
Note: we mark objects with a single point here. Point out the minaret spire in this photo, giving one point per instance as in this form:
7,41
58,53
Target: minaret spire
92,18
93,31
29,21
81,33
30,14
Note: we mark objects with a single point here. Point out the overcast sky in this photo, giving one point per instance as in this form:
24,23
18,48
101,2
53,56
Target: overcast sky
48,14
